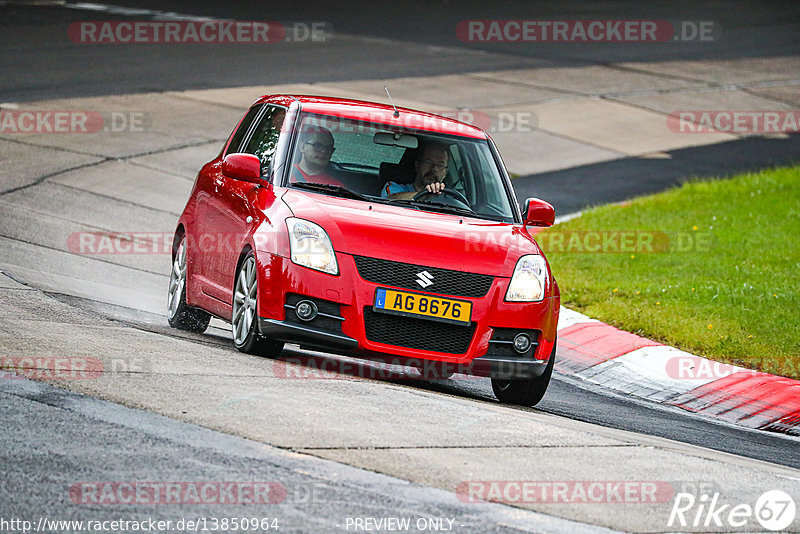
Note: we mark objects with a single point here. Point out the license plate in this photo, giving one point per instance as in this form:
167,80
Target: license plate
423,306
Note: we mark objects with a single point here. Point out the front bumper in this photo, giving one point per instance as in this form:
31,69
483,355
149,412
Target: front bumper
305,336
507,368
346,302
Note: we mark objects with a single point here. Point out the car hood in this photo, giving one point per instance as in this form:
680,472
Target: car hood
414,236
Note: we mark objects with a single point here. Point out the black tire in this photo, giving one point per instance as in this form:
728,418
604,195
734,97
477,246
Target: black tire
179,314
527,391
244,319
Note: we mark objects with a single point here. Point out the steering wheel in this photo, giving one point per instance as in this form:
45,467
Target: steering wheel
446,196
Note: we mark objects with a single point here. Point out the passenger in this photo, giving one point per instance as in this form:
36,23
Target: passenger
316,148
431,169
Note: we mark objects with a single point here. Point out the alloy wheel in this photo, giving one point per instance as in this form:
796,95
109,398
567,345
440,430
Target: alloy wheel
244,301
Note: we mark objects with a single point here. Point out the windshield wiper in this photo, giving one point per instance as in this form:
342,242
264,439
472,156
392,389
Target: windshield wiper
443,208
446,207
337,190
407,203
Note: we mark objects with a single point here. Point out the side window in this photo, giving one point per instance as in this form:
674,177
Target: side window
265,137
241,131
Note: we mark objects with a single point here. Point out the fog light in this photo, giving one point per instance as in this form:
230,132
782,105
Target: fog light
305,310
522,343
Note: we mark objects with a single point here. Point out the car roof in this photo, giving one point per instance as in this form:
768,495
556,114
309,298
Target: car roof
361,110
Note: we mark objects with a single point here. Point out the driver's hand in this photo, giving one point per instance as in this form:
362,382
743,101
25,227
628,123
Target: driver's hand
436,187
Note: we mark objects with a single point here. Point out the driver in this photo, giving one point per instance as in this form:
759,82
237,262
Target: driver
431,169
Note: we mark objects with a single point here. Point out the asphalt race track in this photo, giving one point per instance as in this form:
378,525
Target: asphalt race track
342,450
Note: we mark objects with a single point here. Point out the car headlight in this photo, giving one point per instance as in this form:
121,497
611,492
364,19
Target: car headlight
529,279
310,246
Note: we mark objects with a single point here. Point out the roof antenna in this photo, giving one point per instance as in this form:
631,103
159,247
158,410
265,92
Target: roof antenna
396,113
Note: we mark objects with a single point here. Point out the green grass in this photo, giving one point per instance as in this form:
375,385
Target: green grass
721,282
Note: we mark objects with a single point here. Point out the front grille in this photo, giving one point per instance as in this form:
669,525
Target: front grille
415,333
405,275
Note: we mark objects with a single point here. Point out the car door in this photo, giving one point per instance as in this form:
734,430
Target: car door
206,210
232,212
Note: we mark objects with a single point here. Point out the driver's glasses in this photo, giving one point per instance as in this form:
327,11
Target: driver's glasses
438,167
319,147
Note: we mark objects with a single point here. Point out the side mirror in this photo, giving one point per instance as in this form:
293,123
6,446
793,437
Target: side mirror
539,213
245,167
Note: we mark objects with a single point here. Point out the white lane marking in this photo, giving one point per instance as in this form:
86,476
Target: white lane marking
567,217
567,318
649,372
135,12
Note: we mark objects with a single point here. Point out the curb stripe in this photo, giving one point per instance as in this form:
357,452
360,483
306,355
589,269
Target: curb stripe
788,425
643,368
645,373
585,345
751,399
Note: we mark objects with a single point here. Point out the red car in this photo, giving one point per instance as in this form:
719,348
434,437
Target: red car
368,230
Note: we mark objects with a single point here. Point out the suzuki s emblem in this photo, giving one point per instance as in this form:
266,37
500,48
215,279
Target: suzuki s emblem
425,279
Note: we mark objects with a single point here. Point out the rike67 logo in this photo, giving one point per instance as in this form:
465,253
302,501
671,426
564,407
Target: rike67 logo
774,510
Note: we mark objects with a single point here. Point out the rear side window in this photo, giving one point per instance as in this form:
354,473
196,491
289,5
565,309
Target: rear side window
241,131
357,150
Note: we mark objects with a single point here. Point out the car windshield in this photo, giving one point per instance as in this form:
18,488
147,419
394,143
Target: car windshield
338,156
